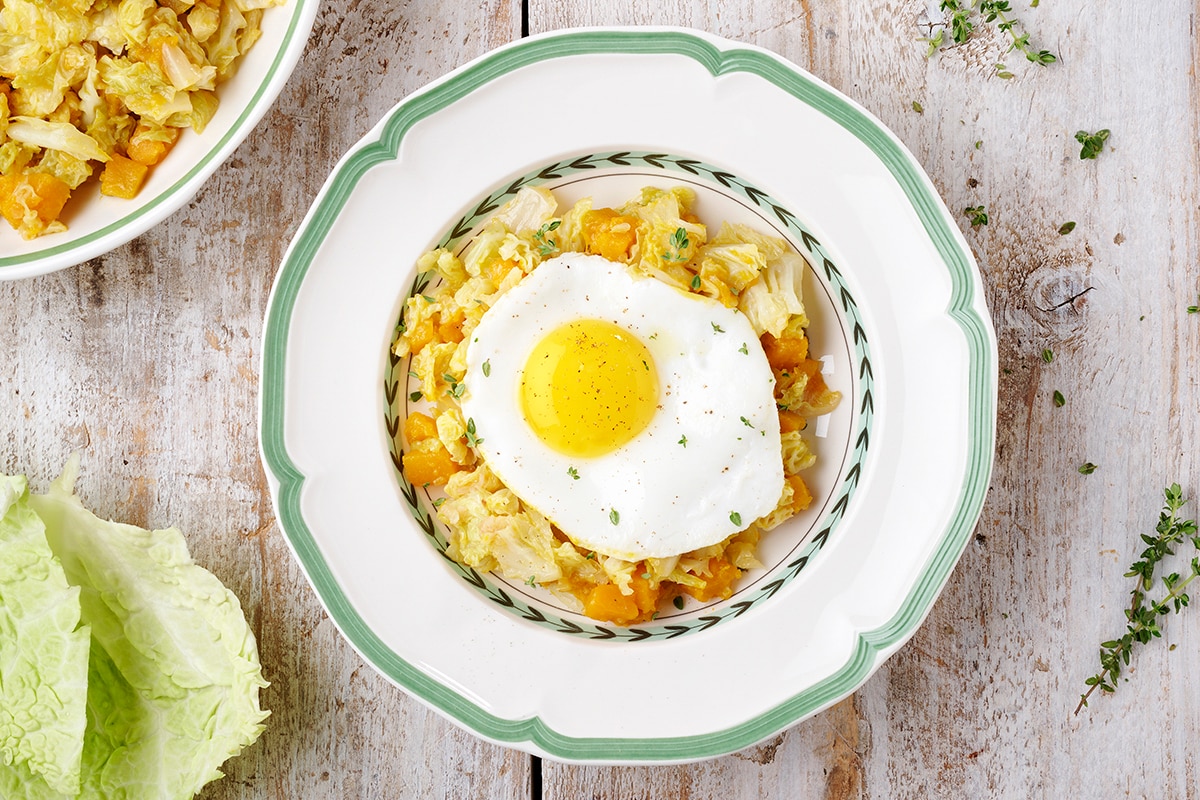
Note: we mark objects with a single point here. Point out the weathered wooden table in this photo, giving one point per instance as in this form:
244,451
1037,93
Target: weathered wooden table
146,360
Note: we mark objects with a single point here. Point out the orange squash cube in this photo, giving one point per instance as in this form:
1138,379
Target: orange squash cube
450,329
609,234
801,497
145,150
30,201
816,381
420,335
790,422
784,353
645,594
606,603
122,177
419,427
718,584
431,467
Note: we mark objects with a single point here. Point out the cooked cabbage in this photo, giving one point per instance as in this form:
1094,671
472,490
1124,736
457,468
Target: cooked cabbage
523,545
82,80
446,264
797,455
783,511
775,299
452,430
55,136
667,239
489,528
528,210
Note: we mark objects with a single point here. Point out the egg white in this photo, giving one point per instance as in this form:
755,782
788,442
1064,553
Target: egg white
716,389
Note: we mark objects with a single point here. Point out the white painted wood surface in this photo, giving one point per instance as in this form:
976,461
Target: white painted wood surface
146,360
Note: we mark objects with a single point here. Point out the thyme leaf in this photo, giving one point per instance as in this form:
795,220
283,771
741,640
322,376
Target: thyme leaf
1091,143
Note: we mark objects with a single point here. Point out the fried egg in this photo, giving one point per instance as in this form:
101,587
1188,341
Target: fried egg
637,418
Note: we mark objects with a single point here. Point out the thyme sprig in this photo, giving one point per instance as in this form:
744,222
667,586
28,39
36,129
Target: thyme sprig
961,19
456,387
545,245
473,437
1142,616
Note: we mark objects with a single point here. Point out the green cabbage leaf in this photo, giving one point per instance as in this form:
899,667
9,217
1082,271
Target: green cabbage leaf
172,675
43,658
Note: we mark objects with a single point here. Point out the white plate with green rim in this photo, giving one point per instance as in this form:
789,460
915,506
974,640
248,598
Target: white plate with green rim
897,305
97,224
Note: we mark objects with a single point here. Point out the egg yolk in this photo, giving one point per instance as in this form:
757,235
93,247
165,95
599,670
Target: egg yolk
589,387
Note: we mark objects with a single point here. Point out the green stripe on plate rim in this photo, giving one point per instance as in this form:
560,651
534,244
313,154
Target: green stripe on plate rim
869,645
396,406
235,130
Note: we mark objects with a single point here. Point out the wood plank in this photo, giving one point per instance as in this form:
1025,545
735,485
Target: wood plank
146,360
821,757
339,729
979,703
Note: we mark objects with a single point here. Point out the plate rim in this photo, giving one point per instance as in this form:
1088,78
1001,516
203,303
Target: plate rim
129,226
966,309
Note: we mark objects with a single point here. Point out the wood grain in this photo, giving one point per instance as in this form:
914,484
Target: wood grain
146,360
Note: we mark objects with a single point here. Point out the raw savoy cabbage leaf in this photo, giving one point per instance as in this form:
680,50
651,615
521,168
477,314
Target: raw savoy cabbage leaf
173,673
43,657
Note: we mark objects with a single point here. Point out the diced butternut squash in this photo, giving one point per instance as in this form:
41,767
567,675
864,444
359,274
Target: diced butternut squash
609,234
718,584
801,497
420,335
816,381
496,269
122,177
790,422
146,150
606,603
419,427
784,353
450,329
645,594
31,201
431,467
151,50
